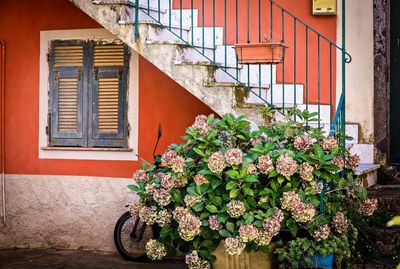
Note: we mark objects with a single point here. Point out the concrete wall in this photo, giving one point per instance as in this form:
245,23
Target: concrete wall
66,212
360,72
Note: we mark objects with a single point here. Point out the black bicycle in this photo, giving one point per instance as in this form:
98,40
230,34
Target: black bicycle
130,233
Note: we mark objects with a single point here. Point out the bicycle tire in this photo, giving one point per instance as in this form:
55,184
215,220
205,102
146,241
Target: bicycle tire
120,245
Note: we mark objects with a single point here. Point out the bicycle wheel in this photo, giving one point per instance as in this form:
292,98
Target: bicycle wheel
131,236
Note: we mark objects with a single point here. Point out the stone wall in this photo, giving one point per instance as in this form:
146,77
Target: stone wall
65,212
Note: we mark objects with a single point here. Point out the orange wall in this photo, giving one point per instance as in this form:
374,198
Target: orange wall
160,98
302,9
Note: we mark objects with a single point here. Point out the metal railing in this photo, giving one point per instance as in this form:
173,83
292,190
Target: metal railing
307,77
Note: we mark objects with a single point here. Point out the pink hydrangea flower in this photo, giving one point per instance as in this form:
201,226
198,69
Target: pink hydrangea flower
236,209
265,164
216,162
329,143
368,207
339,223
339,162
353,161
214,224
234,246
322,233
162,197
140,176
200,179
302,142
306,172
248,232
234,156
286,166
200,125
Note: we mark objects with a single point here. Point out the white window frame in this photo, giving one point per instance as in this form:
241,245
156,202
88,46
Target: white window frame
46,152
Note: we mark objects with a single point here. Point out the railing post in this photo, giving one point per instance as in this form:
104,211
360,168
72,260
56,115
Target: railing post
343,123
136,20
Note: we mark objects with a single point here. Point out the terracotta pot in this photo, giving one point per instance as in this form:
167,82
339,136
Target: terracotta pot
269,52
252,260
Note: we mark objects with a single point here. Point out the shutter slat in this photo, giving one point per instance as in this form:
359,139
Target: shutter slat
68,56
108,55
67,104
108,105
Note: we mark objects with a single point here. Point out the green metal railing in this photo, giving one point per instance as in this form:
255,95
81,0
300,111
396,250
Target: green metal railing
310,63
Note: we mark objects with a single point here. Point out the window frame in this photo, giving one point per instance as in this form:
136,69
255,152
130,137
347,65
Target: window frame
47,151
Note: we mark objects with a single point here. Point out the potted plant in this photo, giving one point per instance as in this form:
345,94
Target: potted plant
230,189
267,52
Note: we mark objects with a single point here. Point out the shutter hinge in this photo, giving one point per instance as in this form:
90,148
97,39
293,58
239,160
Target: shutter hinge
55,73
129,130
79,73
120,74
48,57
96,73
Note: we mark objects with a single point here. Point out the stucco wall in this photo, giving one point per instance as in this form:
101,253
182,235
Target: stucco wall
360,72
161,100
66,212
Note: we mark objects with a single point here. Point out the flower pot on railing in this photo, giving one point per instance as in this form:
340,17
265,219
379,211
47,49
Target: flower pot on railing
319,261
246,260
268,52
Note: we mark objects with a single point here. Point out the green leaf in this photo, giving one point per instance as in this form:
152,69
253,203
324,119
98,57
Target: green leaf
273,173
206,172
204,215
223,217
231,185
216,200
274,186
198,207
135,188
224,233
232,174
251,179
199,152
233,193
281,179
293,230
230,226
248,191
212,208
249,218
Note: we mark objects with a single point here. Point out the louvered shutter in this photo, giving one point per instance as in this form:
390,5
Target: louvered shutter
109,105
66,82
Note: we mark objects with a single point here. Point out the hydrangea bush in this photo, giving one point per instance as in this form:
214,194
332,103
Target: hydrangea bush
244,189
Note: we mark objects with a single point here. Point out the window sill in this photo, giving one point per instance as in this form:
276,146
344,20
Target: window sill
87,149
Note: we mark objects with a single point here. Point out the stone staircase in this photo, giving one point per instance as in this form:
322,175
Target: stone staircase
163,45
384,242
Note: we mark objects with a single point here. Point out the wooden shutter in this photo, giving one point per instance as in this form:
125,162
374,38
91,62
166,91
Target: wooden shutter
66,94
109,120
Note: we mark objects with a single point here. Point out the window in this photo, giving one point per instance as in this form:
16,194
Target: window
88,82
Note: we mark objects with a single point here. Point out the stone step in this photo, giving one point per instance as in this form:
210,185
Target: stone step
388,197
368,172
387,239
365,151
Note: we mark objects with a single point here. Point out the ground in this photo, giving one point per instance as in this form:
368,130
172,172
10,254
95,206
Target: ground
59,259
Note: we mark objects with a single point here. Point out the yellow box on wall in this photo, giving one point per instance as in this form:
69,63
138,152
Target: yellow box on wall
324,7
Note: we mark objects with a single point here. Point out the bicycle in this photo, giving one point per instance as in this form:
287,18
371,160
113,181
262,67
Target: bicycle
130,233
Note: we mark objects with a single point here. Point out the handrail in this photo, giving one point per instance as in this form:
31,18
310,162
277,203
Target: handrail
312,29
313,74
337,115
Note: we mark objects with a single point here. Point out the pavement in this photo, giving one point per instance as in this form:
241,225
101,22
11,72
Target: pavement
71,259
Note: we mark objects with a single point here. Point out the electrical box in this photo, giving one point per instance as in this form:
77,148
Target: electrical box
324,7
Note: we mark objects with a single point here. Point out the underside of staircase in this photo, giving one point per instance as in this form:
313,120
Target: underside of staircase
163,44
